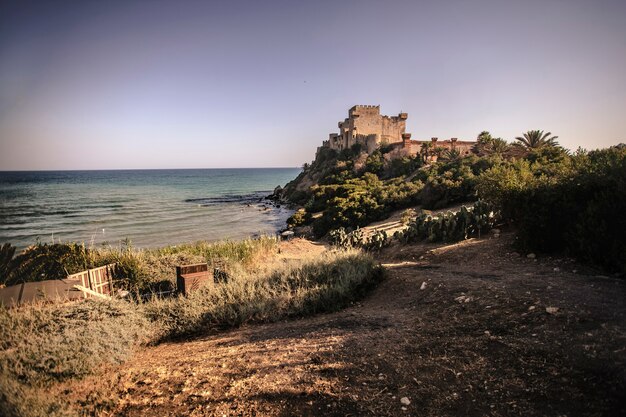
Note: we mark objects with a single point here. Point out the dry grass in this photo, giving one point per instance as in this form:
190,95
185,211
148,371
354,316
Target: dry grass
294,289
41,345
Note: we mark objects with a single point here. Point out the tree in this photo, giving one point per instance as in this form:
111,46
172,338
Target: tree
535,139
426,151
451,155
488,145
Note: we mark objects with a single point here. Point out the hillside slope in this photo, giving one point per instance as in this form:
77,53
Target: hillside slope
490,333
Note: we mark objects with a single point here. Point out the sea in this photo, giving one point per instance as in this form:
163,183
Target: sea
149,208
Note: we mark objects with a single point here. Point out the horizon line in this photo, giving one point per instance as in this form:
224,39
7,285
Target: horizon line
137,169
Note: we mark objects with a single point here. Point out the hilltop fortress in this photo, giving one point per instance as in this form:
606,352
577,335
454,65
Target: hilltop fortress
367,127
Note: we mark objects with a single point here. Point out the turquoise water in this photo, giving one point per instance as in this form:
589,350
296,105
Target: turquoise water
150,207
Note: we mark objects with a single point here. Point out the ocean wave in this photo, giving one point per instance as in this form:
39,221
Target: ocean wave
230,198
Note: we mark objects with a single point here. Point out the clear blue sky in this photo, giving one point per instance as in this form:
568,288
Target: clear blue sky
179,84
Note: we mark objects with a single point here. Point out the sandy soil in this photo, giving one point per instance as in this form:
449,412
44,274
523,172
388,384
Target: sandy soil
467,329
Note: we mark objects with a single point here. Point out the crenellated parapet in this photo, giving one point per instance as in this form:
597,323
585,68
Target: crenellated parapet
366,126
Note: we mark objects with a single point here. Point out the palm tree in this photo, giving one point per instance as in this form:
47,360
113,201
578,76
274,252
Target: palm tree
535,139
499,146
426,151
488,145
450,155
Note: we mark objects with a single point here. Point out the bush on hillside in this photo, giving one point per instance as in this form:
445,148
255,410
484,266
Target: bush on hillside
574,204
450,226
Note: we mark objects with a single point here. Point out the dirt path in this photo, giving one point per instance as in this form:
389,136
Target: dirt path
490,333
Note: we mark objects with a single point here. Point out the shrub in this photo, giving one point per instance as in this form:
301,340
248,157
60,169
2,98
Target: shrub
46,343
295,289
450,226
298,218
345,240
407,215
44,261
43,344
141,269
573,204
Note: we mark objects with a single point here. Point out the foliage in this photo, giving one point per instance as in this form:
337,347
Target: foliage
407,215
535,139
352,193
345,240
61,341
487,145
41,344
299,218
450,226
46,261
141,269
452,182
295,289
6,261
570,203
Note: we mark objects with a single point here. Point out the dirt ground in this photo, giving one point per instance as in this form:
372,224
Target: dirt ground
470,329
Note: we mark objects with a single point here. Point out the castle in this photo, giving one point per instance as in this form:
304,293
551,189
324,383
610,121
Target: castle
367,127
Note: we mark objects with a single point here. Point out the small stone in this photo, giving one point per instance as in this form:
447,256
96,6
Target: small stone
531,256
403,408
556,269
423,286
552,310
405,401
531,308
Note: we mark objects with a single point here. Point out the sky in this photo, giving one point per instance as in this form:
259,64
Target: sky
214,84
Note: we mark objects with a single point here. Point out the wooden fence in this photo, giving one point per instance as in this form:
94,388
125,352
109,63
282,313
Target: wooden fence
96,282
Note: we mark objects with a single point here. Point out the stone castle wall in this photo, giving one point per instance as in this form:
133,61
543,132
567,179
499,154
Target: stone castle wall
365,125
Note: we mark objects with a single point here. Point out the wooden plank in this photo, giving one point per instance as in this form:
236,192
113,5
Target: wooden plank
91,292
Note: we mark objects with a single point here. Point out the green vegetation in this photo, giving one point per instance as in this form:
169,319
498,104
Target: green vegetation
41,344
46,343
535,139
346,240
352,189
557,201
450,226
142,269
565,203
295,289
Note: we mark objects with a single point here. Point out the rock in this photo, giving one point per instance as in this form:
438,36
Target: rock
287,234
552,310
405,401
423,286
531,308
463,299
531,256
275,196
556,269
